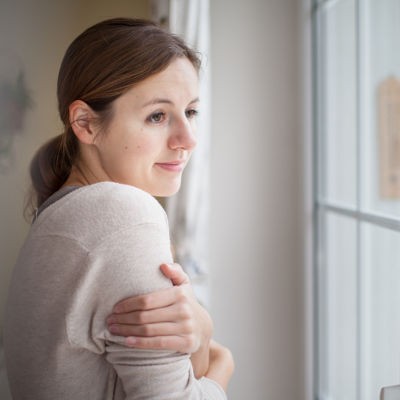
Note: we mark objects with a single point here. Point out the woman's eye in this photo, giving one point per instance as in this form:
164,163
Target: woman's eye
191,113
157,117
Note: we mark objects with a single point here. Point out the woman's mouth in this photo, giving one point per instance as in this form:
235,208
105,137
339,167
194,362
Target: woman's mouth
172,166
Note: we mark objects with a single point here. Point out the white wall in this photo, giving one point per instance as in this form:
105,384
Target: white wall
256,197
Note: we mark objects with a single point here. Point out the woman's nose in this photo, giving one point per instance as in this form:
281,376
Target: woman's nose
183,135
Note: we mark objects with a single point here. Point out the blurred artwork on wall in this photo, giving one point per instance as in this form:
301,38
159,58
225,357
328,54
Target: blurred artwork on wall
389,137
15,101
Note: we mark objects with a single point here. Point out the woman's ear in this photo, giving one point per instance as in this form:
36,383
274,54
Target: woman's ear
82,118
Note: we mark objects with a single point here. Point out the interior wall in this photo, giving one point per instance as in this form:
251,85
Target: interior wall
92,11
256,241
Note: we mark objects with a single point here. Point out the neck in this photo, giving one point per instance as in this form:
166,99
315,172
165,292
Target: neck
80,177
86,171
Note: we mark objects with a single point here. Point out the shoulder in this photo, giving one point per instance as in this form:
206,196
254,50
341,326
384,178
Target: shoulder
109,198
100,210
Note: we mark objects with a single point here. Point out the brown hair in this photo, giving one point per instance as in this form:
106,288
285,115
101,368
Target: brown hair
100,65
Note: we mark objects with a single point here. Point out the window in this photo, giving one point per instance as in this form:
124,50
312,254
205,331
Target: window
357,197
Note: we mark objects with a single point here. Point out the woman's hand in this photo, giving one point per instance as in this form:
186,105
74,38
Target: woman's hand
169,319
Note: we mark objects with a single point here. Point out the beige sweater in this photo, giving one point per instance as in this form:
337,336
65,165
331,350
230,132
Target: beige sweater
90,249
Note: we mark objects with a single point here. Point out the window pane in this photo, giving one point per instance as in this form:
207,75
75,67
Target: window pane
381,178
338,310
381,310
338,153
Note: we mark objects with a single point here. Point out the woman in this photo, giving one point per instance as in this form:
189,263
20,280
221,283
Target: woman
128,98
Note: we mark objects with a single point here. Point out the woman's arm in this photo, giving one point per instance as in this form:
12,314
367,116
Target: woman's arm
169,319
134,256
221,364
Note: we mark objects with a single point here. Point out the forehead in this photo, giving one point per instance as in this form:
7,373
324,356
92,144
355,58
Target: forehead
178,83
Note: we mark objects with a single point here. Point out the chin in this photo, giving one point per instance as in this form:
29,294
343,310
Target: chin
167,191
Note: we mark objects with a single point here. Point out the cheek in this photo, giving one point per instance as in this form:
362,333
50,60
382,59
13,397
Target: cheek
142,147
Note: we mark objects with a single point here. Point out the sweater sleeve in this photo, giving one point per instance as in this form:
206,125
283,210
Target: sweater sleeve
124,264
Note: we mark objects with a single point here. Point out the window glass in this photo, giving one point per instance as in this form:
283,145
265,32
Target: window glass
381,171
338,310
381,310
338,103
358,263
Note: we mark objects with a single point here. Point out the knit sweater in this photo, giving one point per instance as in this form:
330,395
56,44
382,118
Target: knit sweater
90,249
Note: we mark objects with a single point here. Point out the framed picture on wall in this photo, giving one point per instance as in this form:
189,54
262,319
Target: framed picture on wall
389,137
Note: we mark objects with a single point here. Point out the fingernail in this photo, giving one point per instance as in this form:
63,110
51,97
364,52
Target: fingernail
113,328
111,320
130,341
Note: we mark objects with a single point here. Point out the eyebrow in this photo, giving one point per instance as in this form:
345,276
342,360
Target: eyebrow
165,101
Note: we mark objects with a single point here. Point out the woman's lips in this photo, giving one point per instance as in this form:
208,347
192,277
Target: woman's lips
173,166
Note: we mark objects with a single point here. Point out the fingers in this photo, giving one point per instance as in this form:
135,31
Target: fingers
159,299
169,319
182,344
172,336
180,311
151,330
175,273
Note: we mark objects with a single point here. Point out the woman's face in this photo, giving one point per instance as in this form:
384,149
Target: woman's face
152,133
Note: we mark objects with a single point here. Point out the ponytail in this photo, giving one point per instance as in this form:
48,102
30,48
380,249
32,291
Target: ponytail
50,167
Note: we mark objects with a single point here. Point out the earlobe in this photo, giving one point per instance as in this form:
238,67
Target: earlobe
81,118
